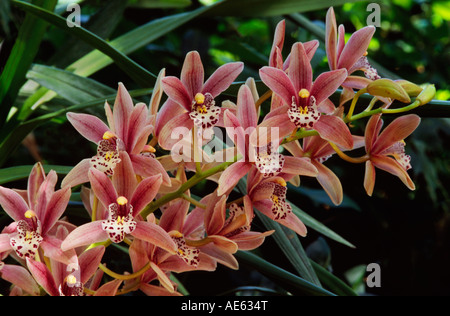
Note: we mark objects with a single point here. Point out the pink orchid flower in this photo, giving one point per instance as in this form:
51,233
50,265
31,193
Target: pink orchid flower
195,96
268,195
60,279
35,212
387,149
129,129
267,159
303,98
124,198
276,57
351,55
162,263
20,278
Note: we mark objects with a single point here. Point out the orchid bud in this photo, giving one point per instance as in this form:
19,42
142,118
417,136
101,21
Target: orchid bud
389,89
427,94
412,89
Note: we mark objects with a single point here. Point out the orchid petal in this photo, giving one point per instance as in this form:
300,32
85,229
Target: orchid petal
279,83
327,83
145,192
396,131
5,242
89,261
124,180
148,167
231,176
192,73
175,89
52,249
277,44
83,235
162,277
224,257
331,38
109,289
356,82
392,166
369,178
330,183
174,216
300,166
55,208
251,240
138,121
169,110
373,128
13,204
300,71
123,106
35,179
154,290
168,134
215,214
222,78
155,235
43,276
356,47
20,277
246,111
90,127
333,129
102,187
78,174
272,130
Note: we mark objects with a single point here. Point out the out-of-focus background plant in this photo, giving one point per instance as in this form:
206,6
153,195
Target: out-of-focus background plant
406,233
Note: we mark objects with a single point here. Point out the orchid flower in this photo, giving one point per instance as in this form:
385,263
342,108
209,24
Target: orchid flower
267,159
162,263
59,279
303,98
276,57
195,96
35,212
269,197
21,279
351,55
387,149
128,130
124,199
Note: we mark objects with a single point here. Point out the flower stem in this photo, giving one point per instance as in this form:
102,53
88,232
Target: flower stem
194,180
193,201
263,98
353,105
124,277
348,158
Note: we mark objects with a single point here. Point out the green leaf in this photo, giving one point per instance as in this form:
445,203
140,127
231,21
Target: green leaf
332,282
280,276
74,88
264,8
159,4
319,227
130,67
22,172
22,55
289,243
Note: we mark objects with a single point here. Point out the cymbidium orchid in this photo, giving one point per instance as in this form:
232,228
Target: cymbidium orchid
386,150
128,130
303,98
35,212
268,195
195,96
350,55
171,216
124,198
59,279
266,158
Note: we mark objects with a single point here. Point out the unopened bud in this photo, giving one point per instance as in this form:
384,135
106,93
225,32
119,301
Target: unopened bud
427,94
412,89
387,88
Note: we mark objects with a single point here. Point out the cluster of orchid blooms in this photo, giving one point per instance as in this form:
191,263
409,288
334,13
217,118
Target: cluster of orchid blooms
127,180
